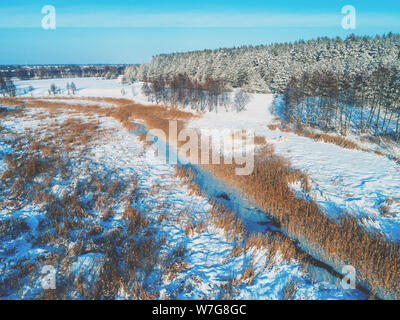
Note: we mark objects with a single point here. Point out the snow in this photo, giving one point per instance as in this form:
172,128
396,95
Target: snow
356,182
209,252
87,266
86,87
210,263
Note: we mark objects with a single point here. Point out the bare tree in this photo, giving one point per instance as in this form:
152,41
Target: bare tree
362,103
53,89
73,87
3,86
240,101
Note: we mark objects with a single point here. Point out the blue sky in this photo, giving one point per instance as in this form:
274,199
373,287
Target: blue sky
132,31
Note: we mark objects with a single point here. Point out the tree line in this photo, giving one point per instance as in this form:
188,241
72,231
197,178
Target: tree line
181,90
346,102
61,71
268,68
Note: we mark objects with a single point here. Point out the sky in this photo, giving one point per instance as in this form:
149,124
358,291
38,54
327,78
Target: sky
132,31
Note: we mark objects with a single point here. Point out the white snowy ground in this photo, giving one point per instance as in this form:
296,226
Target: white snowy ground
356,182
208,253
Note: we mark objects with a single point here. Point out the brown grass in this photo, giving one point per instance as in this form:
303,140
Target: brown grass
137,221
236,251
259,140
340,141
274,127
289,290
324,137
155,117
11,102
248,275
384,209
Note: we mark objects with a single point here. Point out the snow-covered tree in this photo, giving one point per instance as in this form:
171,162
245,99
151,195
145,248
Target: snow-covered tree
270,67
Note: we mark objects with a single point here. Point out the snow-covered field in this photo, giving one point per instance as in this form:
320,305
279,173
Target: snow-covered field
86,87
363,184
94,87
210,268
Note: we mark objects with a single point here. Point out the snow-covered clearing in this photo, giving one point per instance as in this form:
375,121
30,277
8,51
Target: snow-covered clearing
197,263
86,87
